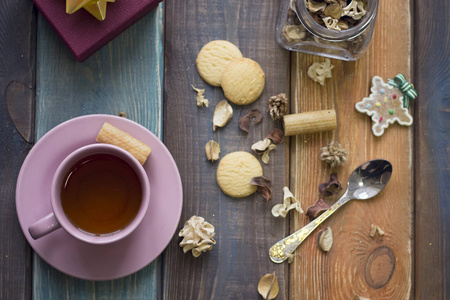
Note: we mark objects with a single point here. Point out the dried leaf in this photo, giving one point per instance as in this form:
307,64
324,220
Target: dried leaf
289,203
331,187
325,239
212,150
268,286
317,209
265,156
276,135
261,146
263,187
244,121
222,114
201,100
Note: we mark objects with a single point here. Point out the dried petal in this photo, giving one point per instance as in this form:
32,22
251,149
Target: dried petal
212,150
222,114
375,229
265,156
201,100
197,236
331,187
276,135
289,203
244,121
261,146
268,286
320,71
325,239
263,187
317,209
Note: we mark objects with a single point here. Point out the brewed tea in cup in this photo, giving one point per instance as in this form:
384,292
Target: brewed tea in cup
99,194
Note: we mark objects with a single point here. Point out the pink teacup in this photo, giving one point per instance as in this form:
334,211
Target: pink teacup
94,195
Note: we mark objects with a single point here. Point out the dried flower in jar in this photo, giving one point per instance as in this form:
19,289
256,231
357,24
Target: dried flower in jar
337,14
294,33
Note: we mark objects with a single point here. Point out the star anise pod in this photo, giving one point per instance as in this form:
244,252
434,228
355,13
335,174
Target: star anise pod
278,106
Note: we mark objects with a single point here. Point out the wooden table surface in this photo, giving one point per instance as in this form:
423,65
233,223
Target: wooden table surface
148,70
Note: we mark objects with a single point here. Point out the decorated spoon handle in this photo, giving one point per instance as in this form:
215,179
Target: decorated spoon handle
283,249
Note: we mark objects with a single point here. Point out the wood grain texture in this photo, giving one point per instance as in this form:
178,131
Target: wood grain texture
357,264
432,149
245,228
126,75
17,65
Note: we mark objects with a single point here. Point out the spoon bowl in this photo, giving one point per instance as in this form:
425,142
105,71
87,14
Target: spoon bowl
369,179
365,182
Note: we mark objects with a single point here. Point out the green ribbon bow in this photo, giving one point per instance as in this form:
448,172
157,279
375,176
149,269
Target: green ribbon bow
409,93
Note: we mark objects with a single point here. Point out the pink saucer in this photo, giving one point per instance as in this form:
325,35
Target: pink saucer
98,262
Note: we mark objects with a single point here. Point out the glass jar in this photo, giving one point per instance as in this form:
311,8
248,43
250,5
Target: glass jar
298,31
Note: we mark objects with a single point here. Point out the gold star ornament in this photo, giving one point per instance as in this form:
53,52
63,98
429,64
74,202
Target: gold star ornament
97,8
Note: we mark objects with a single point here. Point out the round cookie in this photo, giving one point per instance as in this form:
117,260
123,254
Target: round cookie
235,171
243,81
214,58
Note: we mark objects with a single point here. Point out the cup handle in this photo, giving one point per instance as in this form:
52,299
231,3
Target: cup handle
44,226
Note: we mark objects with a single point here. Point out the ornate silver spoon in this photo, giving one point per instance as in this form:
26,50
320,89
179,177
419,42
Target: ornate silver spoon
365,182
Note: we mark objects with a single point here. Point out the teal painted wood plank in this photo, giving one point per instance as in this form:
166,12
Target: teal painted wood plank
125,75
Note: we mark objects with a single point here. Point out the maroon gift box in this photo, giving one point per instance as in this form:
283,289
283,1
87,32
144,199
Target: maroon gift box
83,33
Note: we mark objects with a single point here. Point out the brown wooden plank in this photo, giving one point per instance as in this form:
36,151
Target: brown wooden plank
17,48
432,149
245,228
340,274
